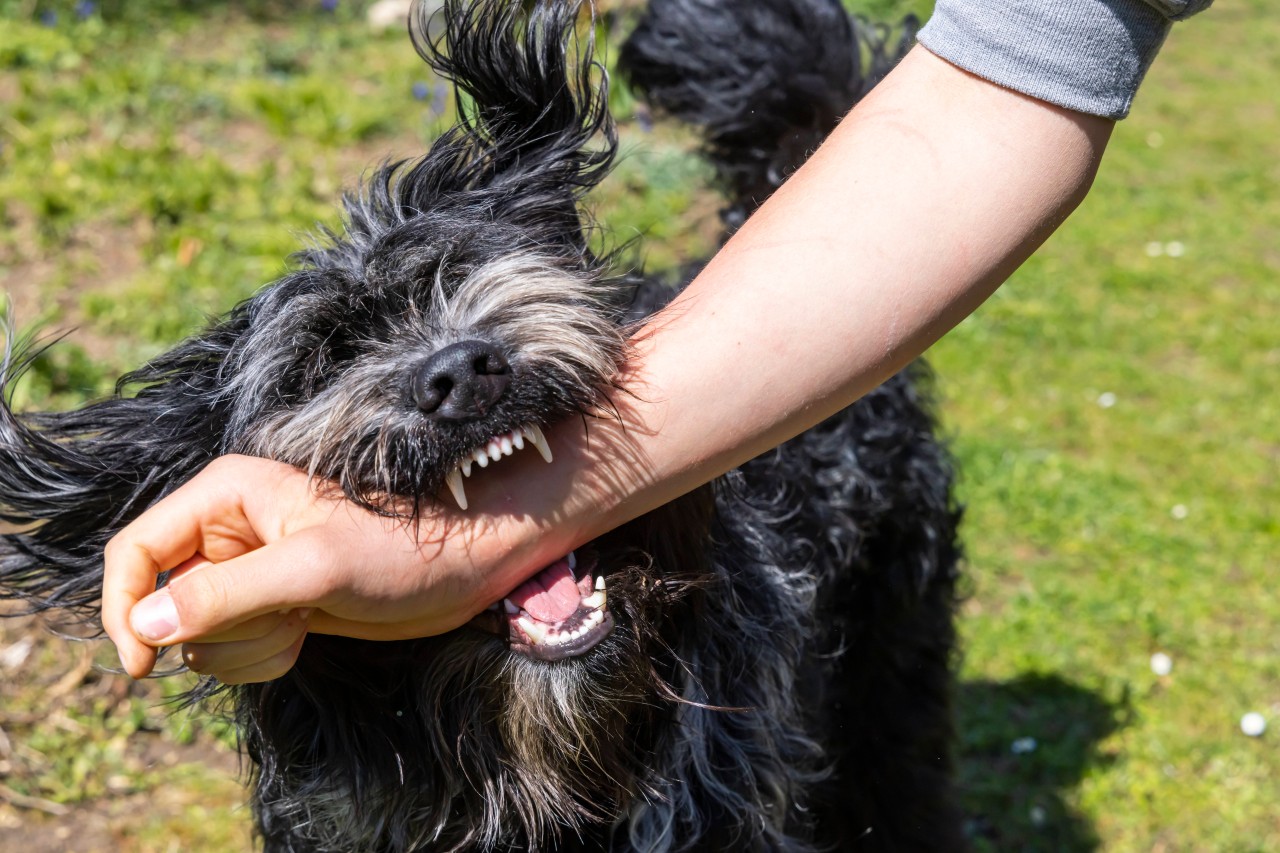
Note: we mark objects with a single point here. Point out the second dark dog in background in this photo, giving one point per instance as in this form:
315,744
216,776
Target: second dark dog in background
762,665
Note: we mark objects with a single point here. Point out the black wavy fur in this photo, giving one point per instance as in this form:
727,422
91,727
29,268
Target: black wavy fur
780,673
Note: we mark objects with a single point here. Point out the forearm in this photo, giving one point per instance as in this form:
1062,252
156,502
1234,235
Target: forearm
914,211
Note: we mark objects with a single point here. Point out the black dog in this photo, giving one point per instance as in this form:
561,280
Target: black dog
762,665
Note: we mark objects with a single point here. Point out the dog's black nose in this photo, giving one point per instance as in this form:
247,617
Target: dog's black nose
461,381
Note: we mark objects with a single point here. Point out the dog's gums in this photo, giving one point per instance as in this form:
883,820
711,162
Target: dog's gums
497,447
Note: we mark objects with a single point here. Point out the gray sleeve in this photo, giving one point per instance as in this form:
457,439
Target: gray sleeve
1086,55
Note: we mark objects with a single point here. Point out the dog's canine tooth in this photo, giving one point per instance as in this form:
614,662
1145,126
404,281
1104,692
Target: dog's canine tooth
540,441
596,600
600,583
512,609
535,632
454,481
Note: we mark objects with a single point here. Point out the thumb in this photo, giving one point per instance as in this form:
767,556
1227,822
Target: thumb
296,571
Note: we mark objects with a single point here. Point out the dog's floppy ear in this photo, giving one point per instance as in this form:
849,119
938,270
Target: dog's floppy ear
534,131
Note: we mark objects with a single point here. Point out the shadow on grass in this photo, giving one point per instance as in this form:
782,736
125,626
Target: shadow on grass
1025,744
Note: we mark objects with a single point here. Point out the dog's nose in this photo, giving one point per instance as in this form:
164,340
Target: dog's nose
461,381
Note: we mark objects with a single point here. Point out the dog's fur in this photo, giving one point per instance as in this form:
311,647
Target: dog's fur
778,677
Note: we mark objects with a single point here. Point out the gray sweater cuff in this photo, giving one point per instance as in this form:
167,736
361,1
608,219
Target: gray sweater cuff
1086,55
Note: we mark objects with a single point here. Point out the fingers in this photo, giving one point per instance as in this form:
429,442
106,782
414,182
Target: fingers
233,506
263,657
166,536
224,601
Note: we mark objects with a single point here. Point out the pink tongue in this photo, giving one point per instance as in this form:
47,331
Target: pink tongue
551,596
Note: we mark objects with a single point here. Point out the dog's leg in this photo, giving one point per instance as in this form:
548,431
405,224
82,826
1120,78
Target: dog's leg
881,486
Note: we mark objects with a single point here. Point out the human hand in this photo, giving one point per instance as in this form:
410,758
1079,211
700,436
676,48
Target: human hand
259,557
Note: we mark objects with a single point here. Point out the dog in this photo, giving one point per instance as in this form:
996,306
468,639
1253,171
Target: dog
764,664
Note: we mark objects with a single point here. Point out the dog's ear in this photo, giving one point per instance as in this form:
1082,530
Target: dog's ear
534,131
70,480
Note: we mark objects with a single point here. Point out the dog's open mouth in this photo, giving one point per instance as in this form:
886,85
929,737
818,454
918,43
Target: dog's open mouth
561,612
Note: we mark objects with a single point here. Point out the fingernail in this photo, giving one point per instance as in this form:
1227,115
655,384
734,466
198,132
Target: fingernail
156,617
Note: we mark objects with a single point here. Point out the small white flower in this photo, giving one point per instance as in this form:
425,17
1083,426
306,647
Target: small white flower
1253,724
1155,139
1161,663
1023,745
1174,249
1106,399
1155,249
1179,511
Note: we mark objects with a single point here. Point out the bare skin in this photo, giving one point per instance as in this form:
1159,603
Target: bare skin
924,200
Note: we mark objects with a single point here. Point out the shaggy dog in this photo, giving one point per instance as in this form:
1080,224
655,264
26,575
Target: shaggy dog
761,665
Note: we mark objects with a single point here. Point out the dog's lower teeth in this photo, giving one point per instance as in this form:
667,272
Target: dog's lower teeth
535,632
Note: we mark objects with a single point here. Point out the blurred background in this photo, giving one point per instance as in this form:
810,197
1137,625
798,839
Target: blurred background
1114,407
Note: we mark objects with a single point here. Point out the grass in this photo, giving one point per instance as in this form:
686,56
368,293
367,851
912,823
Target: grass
1113,407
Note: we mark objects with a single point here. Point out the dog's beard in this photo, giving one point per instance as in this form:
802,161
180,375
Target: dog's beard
471,745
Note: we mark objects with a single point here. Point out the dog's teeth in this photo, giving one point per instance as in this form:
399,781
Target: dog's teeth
517,439
466,467
596,599
573,561
454,482
495,452
482,459
513,609
535,632
505,444
600,583
540,442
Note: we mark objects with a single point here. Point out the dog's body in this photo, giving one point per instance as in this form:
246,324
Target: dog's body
772,668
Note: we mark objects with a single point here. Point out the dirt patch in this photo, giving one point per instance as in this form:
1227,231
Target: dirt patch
47,286
77,764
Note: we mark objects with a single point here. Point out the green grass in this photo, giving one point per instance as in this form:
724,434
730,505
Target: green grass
158,162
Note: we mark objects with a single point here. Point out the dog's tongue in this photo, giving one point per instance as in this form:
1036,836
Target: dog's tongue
550,596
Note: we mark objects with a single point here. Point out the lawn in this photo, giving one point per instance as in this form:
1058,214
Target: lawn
1114,407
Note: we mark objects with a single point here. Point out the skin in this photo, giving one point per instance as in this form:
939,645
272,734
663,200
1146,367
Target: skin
920,204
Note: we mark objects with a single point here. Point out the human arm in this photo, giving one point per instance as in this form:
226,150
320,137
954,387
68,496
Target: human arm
919,205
